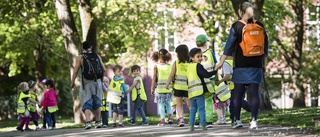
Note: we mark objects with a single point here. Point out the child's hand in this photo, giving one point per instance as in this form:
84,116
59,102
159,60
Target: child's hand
152,92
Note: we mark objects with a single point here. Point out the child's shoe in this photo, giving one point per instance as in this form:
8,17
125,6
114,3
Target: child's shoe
88,125
43,128
237,124
114,125
180,122
196,124
144,123
209,125
37,128
50,128
98,124
203,128
253,125
191,128
20,129
28,129
161,123
120,125
104,126
131,122
170,121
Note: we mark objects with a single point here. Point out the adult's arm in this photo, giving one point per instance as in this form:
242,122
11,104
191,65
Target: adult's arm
76,69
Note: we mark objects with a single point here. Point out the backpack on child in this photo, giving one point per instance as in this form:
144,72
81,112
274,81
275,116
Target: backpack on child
92,68
252,39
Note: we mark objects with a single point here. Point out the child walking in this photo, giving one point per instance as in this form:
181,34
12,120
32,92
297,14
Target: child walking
23,106
105,104
118,87
33,106
160,76
138,96
197,88
179,76
50,104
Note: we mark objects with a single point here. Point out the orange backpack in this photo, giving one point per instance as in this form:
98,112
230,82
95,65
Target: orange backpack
252,39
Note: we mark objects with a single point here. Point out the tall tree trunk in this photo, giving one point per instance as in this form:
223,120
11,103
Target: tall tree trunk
265,102
72,45
87,22
40,62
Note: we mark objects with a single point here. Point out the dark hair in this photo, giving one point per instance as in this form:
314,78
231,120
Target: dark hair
161,54
86,45
135,67
31,83
183,53
116,67
194,51
50,83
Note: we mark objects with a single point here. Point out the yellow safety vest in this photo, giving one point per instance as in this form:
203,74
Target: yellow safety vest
114,93
222,91
208,64
33,106
195,87
105,106
180,80
141,92
229,82
163,75
52,109
21,105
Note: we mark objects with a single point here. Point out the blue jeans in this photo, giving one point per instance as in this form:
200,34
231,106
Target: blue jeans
197,104
50,118
138,106
164,107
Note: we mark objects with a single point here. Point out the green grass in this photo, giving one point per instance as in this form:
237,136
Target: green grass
300,117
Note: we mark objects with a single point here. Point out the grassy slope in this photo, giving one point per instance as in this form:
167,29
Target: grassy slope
302,117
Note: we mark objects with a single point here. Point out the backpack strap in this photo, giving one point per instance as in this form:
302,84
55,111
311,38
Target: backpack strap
254,21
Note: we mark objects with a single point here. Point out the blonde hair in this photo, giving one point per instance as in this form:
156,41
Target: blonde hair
23,86
246,10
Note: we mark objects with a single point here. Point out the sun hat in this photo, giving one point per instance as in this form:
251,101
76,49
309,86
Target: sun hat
201,39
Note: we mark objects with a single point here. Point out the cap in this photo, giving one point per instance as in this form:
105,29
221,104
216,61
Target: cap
201,39
86,45
44,81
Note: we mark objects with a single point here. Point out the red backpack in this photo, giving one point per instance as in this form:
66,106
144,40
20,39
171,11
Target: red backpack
252,39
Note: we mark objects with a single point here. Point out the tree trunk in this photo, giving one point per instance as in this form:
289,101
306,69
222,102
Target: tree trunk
87,22
72,45
40,62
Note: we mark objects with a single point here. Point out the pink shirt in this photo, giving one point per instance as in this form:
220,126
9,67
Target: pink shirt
50,99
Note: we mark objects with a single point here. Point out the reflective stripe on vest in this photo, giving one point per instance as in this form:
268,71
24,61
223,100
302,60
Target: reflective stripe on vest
53,109
208,64
229,82
142,92
33,106
195,87
105,104
21,105
114,93
163,75
180,80
223,93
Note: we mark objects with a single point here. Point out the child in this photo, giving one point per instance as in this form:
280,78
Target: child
208,62
197,88
117,86
160,76
180,86
23,106
105,104
33,106
49,104
138,96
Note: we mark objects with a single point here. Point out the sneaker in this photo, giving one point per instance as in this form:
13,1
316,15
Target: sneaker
98,124
144,123
131,123
20,129
180,122
28,129
114,125
88,125
104,126
196,124
170,121
120,125
253,125
161,123
237,124
50,128
43,128
204,127
209,125
191,128
37,128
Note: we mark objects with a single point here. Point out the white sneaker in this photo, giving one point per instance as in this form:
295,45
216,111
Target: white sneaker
253,125
219,122
88,125
98,125
50,128
237,124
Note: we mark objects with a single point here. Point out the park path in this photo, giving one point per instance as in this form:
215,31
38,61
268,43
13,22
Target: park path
165,131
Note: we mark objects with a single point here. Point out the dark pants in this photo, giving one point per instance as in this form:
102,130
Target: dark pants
239,91
138,106
245,105
24,121
104,115
50,119
34,117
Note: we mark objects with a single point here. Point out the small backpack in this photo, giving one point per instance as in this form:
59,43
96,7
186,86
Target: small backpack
92,68
252,39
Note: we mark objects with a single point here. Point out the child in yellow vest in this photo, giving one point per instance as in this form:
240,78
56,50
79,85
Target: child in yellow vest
138,96
105,104
24,99
160,75
197,88
33,106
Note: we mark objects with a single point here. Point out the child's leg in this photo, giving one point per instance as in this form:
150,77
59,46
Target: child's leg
141,111
168,108
22,122
104,115
48,118
209,109
114,117
135,109
53,117
179,107
162,110
193,110
27,122
202,111
120,118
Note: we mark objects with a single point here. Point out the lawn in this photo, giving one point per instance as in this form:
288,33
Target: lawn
300,117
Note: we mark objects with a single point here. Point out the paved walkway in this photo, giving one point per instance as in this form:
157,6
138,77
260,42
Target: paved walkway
165,131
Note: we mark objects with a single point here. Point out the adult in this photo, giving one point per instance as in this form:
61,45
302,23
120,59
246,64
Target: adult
91,89
247,71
